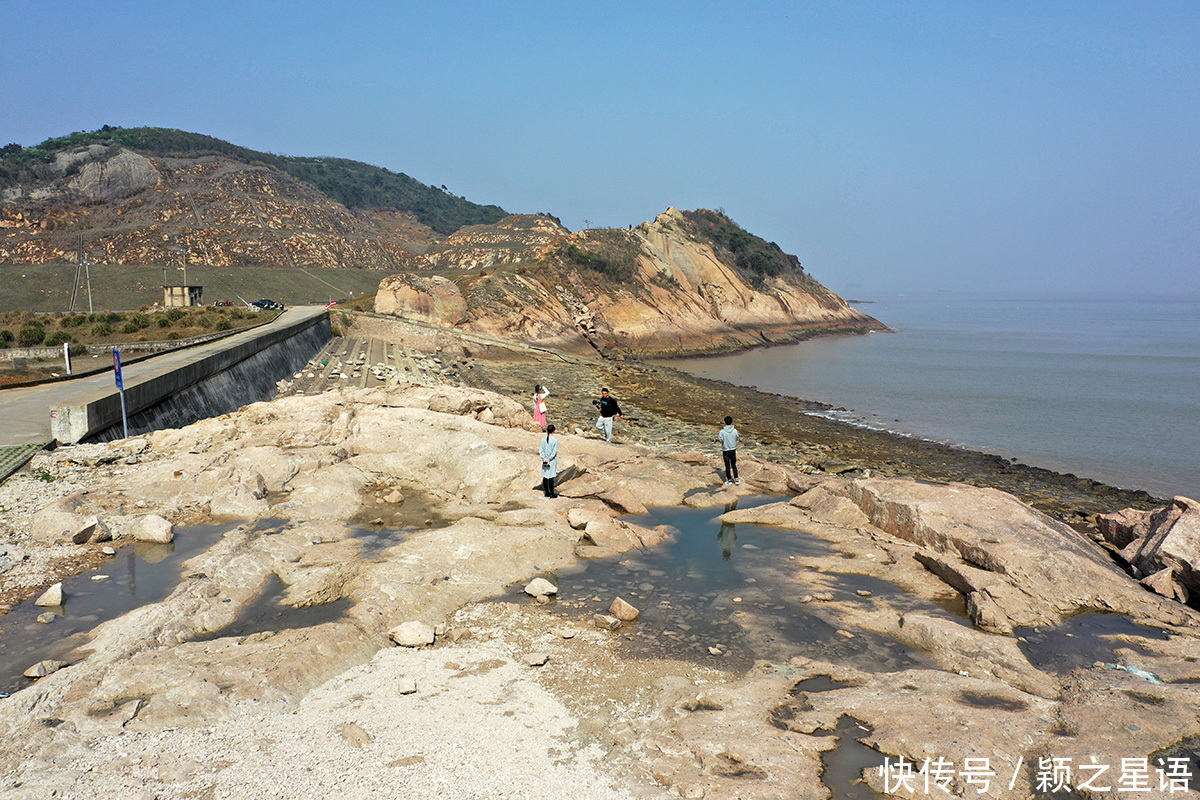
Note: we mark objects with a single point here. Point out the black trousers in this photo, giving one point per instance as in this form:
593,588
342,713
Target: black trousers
730,457
548,487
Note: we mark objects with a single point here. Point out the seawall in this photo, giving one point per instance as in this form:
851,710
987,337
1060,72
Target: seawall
240,370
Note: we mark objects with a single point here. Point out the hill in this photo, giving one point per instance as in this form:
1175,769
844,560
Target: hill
352,183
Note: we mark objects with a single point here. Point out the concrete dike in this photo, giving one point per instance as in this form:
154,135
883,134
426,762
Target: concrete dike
186,386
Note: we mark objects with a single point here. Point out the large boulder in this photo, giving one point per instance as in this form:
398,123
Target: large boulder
434,300
1170,541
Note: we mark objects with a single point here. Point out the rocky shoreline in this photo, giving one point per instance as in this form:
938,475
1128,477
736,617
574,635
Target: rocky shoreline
415,504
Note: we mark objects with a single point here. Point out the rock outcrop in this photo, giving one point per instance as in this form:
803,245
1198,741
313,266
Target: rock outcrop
681,296
1162,546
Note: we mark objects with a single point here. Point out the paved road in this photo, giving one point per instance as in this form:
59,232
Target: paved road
25,412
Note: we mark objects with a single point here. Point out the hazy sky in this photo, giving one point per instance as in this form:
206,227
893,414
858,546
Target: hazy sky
892,146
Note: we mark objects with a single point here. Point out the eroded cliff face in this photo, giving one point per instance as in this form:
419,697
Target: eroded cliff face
680,296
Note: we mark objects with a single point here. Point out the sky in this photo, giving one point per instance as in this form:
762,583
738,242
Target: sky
1012,147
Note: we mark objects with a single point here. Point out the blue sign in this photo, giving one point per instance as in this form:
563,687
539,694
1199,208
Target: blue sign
117,368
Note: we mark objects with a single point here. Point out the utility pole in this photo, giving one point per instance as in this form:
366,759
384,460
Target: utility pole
587,223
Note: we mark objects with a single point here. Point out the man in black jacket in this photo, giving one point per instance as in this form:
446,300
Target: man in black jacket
608,409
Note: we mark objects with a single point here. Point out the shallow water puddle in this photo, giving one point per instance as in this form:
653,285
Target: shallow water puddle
268,612
138,574
842,767
732,588
1080,641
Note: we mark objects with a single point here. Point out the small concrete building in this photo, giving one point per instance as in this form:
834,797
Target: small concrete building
179,296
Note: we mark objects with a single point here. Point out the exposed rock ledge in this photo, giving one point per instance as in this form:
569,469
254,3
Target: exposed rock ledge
147,706
684,299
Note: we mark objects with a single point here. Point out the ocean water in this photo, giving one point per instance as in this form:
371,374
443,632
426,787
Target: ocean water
1103,388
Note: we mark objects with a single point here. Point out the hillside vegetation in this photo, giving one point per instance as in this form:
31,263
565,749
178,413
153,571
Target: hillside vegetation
352,183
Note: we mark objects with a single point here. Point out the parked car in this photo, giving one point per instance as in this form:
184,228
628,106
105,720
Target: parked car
223,304
267,305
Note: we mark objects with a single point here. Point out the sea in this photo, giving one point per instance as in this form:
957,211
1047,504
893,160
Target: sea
1102,387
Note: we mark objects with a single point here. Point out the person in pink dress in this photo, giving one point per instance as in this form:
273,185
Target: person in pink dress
539,405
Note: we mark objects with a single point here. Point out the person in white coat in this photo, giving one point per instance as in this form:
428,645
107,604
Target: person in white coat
549,453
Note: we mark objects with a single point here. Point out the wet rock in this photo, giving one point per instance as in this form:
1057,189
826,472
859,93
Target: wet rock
540,587
605,622
153,528
46,617
412,634
44,668
622,610
51,597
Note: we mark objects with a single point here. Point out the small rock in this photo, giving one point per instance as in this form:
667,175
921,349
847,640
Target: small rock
824,597
354,735
394,497
737,599
377,521
108,551
44,668
863,593
536,659
51,597
543,599
808,598
623,610
99,578
406,685
845,634
46,617
91,530
458,634
412,634
716,651
605,622
563,633
540,586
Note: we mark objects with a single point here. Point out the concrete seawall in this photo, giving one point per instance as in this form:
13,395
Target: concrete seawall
239,370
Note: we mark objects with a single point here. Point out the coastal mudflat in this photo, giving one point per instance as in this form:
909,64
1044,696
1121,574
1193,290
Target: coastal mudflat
939,607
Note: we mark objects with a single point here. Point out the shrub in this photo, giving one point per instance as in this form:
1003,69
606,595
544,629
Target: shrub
140,320
130,327
163,322
31,334
102,328
78,350
223,325
173,335
112,317
57,338
203,320
175,315
6,338
74,321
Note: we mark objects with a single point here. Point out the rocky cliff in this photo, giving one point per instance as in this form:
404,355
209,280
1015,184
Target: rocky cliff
659,288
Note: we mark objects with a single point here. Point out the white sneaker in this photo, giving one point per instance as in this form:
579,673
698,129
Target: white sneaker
738,481
729,483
